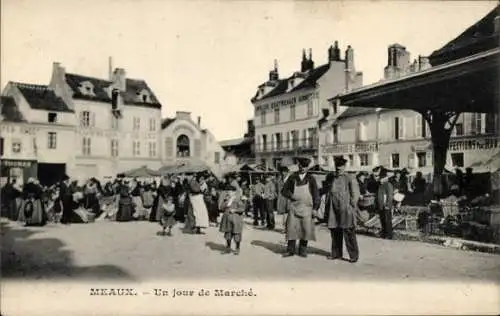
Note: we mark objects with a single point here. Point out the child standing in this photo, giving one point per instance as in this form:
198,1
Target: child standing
167,219
232,219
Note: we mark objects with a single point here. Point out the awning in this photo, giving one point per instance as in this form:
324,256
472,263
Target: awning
141,172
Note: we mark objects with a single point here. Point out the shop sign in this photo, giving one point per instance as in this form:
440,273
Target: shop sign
18,129
286,102
17,163
474,144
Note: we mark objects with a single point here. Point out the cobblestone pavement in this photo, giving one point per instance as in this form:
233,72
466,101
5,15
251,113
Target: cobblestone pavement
134,251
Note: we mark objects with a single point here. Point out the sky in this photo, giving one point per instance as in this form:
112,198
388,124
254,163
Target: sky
208,57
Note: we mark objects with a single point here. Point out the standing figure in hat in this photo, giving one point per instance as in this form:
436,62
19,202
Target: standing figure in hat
258,202
125,203
269,196
286,170
302,192
232,219
384,203
32,211
344,196
66,200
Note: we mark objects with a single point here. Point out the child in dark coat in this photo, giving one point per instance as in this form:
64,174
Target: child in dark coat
232,219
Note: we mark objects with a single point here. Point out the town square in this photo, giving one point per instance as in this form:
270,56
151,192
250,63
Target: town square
250,143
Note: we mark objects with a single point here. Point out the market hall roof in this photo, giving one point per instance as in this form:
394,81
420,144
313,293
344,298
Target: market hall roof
281,86
101,90
42,97
479,37
9,110
469,84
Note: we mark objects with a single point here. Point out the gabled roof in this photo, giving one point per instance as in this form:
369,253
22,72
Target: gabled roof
310,81
41,97
477,38
101,87
166,122
9,110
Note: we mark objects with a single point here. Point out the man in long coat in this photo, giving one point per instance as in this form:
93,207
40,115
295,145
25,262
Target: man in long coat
302,192
344,196
66,198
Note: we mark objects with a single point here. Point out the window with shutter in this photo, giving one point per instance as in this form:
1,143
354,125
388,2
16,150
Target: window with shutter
418,126
402,128
92,124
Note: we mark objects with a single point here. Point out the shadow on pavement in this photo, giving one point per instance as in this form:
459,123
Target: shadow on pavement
215,247
280,248
24,257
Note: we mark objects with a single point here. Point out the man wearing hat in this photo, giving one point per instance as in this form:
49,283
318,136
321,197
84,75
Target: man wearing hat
344,196
384,200
269,196
66,200
302,193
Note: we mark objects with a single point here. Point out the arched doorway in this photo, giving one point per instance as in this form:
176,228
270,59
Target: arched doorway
183,148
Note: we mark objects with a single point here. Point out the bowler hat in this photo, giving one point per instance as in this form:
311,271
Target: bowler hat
340,161
303,162
383,172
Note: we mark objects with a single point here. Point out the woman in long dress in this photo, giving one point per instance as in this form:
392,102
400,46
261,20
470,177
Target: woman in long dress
32,212
125,204
161,194
198,206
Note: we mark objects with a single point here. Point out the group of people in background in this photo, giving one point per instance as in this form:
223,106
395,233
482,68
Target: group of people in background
201,201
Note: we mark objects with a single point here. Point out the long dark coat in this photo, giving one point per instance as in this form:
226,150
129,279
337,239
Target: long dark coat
343,202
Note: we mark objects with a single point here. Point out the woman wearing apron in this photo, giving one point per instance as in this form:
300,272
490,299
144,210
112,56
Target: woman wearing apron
302,192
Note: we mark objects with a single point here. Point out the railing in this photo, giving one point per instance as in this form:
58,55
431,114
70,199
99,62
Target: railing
350,148
302,144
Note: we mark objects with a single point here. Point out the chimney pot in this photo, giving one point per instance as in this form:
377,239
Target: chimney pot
199,121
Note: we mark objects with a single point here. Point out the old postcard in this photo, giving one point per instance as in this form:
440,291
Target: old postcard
249,157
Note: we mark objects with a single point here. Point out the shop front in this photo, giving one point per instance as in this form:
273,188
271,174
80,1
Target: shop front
20,170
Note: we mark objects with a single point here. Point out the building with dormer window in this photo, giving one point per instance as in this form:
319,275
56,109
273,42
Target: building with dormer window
286,110
93,127
399,138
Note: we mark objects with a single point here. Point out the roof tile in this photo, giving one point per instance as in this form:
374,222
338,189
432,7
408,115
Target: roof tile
42,97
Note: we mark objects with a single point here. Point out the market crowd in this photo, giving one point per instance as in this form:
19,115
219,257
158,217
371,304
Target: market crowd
200,201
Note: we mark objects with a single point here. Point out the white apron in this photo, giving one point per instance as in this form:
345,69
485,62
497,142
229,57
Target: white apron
200,211
299,224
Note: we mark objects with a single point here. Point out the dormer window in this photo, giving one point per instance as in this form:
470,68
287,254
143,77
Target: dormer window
52,117
87,88
143,96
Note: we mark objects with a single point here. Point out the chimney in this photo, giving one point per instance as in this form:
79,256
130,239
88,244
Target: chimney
336,51
59,85
199,121
273,74
349,59
120,79
310,62
110,68
414,66
424,63
304,64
